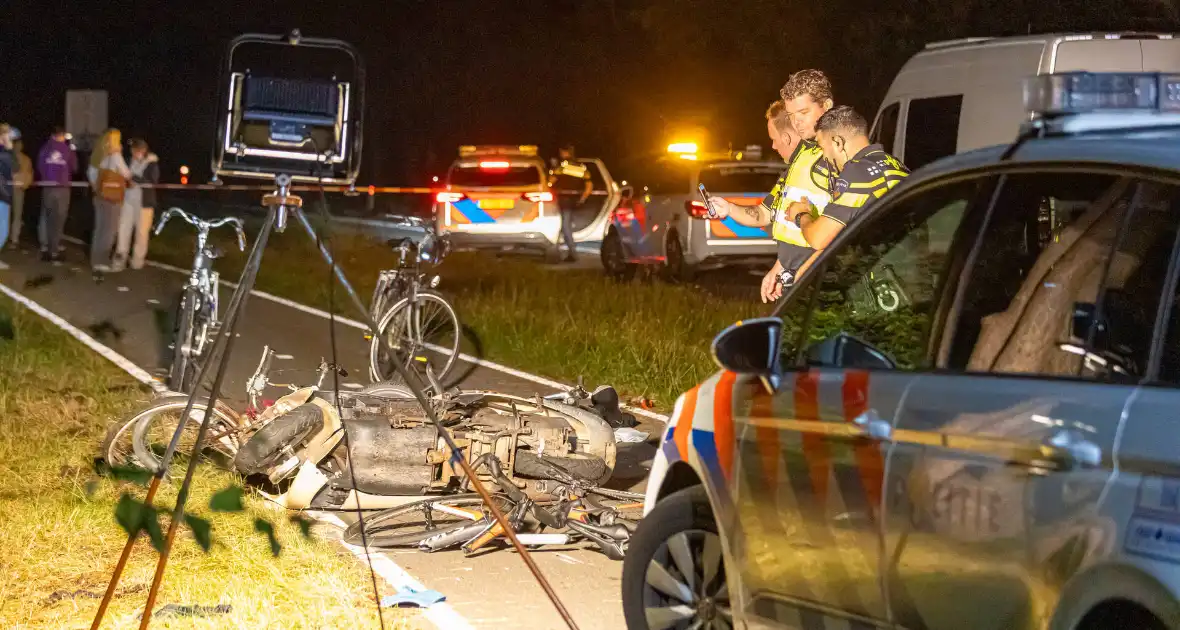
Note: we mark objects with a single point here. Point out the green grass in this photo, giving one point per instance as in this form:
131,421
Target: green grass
646,339
58,533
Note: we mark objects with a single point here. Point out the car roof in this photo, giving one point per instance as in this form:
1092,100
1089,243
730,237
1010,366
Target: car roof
1153,149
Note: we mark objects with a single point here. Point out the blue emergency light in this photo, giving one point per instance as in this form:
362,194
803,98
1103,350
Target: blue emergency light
1066,93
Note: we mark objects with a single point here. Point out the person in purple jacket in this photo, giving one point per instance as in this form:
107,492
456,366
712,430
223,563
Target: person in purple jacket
56,164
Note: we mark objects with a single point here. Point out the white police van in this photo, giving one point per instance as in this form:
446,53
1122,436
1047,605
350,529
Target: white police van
995,446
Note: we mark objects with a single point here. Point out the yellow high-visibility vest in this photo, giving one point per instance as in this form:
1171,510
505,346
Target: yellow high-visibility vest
807,178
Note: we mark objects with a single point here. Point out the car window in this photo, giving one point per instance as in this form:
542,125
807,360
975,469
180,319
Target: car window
737,178
881,287
1068,278
480,176
932,129
885,130
596,178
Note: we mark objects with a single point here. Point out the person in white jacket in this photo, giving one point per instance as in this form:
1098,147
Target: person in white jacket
109,178
135,222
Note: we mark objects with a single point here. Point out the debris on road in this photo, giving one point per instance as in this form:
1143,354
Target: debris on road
627,435
407,596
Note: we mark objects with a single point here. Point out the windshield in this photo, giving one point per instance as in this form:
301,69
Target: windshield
475,176
737,178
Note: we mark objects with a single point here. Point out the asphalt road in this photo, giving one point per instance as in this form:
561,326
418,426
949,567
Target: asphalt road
125,312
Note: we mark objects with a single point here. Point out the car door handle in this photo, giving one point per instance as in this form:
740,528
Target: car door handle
1069,449
874,426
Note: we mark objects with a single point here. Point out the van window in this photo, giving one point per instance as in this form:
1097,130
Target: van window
744,179
932,129
885,131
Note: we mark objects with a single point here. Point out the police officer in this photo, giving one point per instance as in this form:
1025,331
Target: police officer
571,181
864,173
802,187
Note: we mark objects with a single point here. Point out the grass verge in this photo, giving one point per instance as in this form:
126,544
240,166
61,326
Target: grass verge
649,339
59,540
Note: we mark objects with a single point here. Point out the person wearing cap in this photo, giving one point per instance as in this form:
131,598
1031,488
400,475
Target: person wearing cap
572,186
7,172
57,161
22,180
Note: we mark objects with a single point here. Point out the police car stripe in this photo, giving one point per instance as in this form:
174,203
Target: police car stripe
687,418
723,422
869,458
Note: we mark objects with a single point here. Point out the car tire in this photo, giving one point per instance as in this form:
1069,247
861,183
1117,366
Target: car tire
679,535
676,268
614,258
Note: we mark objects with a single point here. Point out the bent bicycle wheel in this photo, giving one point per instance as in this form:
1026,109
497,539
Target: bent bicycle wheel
410,524
423,329
155,425
117,449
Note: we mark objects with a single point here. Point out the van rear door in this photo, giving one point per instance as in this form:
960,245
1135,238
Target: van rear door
1160,55
1130,54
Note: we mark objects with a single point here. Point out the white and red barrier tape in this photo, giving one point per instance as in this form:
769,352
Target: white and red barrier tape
367,190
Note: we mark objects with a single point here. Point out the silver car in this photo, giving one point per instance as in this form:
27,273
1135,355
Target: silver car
965,416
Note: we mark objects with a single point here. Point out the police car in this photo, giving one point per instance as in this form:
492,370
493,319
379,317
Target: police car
497,197
965,416
661,219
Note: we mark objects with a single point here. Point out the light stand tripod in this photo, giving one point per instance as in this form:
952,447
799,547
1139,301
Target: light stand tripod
278,205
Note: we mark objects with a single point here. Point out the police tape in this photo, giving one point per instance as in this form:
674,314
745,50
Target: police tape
368,190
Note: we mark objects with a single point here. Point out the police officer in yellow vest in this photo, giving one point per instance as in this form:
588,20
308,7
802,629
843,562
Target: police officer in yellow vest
804,186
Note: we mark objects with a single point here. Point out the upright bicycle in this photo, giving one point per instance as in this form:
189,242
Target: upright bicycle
417,322
196,322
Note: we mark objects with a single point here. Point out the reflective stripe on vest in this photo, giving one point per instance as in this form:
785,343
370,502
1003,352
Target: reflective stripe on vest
800,185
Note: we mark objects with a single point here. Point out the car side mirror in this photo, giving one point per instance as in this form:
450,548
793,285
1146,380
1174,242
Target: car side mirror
845,351
750,347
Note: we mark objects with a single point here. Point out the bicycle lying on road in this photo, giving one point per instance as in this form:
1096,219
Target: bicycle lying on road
418,323
459,520
196,323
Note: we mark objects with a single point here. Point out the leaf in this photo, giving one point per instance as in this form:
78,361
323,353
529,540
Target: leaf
227,500
202,531
265,527
151,524
304,524
129,514
137,476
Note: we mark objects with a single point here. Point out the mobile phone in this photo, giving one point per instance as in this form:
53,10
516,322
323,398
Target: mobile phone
705,198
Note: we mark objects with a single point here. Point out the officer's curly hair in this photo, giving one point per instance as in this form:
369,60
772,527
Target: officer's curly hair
811,82
842,119
777,113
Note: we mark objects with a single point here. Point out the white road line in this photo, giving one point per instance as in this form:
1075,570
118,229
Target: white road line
106,352
311,310
441,614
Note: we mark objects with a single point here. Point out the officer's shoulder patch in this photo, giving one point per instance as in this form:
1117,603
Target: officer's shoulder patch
839,186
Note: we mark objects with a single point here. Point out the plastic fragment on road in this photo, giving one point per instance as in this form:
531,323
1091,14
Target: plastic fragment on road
407,596
627,435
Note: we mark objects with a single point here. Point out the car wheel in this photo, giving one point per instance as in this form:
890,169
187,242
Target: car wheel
614,258
676,269
674,570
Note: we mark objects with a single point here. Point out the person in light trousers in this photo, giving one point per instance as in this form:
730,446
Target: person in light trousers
135,222
109,178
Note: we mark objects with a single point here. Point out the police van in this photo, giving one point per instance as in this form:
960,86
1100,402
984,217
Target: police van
964,416
662,219
497,198
964,94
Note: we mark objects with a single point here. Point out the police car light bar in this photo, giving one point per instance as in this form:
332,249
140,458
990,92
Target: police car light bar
1079,92
470,150
682,147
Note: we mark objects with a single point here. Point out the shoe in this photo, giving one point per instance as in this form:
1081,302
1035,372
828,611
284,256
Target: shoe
46,256
101,268
58,257
569,259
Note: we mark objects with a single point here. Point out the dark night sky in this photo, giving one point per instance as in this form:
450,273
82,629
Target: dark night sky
607,74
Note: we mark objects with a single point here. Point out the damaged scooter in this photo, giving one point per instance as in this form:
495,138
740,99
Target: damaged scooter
393,450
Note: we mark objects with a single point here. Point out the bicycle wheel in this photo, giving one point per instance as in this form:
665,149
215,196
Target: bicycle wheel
423,328
181,373
155,425
117,449
410,524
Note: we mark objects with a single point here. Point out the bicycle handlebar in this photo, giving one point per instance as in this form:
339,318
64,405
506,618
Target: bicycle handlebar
202,225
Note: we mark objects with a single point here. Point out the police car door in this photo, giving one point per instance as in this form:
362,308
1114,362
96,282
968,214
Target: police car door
1000,460
590,220
812,457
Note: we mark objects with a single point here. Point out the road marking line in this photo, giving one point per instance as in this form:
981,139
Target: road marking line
106,352
311,310
441,614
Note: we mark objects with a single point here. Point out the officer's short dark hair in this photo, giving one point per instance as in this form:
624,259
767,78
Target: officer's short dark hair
566,146
811,82
777,113
843,120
